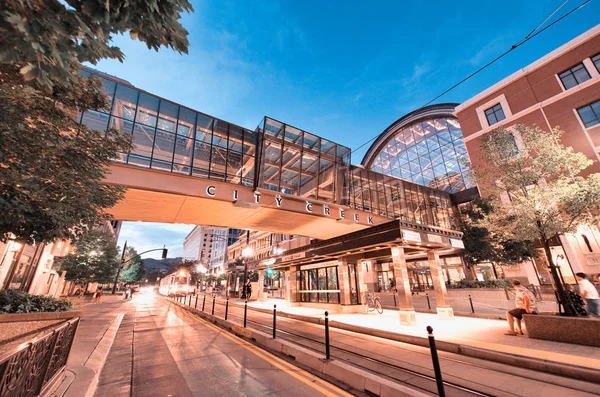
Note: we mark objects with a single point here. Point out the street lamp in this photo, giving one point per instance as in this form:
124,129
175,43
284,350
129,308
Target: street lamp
200,268
246,253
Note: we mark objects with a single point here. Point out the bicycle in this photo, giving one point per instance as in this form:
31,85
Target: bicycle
373,302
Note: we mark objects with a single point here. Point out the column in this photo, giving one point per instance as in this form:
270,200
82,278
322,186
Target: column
292,284
260,293
362,268
441,294
404,294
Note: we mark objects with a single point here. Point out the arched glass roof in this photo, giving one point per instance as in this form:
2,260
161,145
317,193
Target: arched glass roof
425,147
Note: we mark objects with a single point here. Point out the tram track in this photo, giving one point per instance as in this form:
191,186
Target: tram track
459,390
385,365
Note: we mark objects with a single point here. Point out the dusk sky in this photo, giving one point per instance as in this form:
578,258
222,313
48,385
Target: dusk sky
342,70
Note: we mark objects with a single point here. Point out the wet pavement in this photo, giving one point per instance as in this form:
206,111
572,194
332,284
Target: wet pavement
162,350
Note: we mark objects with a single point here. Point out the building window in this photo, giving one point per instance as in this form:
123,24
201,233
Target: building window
596,61
587,242
495,114
574,76
590,114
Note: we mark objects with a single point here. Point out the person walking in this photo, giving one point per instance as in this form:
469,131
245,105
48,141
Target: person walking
98,295
588,292
525,302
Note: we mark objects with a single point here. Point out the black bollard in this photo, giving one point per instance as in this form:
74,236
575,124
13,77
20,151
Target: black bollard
274,320
436,363
196,303
190,302
226,308
471,302
395,304
213,308
327,350
428,303
203,302
245,312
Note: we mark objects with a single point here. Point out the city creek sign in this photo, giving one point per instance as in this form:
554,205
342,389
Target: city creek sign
296,204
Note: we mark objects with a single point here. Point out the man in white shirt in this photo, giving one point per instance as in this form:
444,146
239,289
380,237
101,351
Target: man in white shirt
588,292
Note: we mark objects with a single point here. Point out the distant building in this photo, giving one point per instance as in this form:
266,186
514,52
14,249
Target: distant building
218,257
198,244
262,246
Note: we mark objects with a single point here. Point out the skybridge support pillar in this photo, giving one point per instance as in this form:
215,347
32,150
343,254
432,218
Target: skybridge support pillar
260,289
403,292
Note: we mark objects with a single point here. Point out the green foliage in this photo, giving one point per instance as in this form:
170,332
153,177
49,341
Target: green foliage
94,260
483,245
481,284
44,38
548,195
133,271
16,301
50,169
51,173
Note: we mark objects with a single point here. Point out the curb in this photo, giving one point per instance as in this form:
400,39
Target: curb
86,377
356,378
543,365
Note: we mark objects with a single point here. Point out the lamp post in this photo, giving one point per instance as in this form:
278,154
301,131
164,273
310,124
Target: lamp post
202,270
246,253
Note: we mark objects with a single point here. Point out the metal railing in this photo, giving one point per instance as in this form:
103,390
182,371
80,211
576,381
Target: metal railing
31,368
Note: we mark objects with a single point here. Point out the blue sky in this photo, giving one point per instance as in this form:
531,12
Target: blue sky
342,70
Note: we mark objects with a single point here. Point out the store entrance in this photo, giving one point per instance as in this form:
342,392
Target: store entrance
354,297
274,284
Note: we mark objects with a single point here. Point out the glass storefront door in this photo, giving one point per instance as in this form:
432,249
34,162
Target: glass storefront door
354,296
385,281
318,284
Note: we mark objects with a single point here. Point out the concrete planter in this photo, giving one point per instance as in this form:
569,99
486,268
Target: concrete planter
576,330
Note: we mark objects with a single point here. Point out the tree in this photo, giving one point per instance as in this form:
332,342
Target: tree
133,270
482,245
50,169
548,194
95,259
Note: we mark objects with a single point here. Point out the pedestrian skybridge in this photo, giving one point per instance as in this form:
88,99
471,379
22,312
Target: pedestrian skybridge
188,167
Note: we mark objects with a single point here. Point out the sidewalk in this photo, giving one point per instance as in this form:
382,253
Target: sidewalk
160,350
474,332
94,338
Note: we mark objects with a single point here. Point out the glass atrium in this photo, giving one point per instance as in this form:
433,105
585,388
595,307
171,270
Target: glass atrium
427,151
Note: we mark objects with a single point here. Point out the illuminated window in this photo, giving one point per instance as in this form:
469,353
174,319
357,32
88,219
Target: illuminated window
587,242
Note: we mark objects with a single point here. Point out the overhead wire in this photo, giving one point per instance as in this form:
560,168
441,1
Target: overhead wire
530,36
